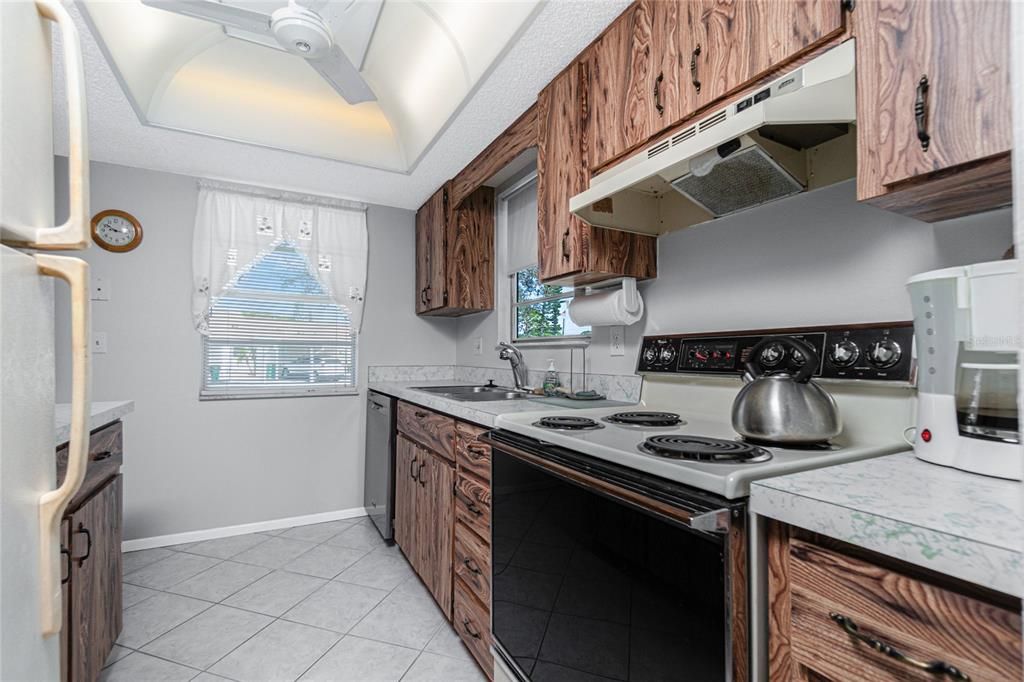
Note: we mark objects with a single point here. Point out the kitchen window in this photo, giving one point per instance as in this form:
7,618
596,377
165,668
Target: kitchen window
275,332
538,312
277,295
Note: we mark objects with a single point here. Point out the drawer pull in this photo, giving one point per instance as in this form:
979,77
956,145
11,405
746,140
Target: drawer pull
468,501
100,456
470,631
933,667
921,113
421,414
471,565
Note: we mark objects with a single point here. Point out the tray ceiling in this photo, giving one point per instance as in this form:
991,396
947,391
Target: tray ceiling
448,80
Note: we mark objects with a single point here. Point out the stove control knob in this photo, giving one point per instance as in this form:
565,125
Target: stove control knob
772,355
667,355
885,353
798,358
844,353
650,355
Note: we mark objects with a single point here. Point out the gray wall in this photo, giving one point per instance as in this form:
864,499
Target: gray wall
817,258
192,465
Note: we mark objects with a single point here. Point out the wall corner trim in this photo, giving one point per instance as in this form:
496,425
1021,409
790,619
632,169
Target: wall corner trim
228,531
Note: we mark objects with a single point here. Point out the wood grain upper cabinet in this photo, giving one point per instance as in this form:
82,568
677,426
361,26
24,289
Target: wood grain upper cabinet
562,238
94,585
732,42
933,88
455,254
431,226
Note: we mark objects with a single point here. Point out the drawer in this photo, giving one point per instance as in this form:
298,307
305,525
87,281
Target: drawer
472,456
473,506
473,562
106,454
473,623
432,430
918,619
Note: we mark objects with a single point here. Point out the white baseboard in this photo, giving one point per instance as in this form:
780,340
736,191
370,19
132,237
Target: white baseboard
228,531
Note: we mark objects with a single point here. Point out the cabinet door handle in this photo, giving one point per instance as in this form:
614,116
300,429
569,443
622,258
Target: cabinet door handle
921,113
471,565
933,667
657,94
412,465
470,631
82,530
693,68
426,293
565,244
419,475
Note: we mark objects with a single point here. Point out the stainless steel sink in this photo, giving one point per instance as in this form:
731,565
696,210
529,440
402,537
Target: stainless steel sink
475,393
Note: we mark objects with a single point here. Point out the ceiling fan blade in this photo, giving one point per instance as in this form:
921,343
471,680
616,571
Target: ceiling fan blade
337,70
217,12
352,24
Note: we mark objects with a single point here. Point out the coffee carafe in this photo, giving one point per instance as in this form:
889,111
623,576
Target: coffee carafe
967,338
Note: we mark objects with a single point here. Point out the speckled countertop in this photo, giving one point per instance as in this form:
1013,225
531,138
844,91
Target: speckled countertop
964,525
102,413
482,413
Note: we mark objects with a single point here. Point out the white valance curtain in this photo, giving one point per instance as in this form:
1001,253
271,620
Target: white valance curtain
237,225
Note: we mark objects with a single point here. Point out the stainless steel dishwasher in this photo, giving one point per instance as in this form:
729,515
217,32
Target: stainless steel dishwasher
379,481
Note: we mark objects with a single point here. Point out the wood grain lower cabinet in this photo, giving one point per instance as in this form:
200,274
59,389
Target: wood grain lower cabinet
406,460
834,614
94,586
934,124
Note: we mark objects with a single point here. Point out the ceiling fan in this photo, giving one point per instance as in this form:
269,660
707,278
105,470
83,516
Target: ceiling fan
302,31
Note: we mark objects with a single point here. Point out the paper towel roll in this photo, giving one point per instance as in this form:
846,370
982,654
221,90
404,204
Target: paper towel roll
606,308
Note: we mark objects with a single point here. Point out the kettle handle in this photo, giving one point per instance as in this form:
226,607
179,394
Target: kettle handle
803,375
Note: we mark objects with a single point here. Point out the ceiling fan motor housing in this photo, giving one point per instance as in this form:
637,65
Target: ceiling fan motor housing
301,32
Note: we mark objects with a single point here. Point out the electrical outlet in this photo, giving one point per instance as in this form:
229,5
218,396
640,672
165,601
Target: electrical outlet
99,342
478,345
617,340
100,288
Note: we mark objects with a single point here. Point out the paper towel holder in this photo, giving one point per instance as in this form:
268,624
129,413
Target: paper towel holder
631,300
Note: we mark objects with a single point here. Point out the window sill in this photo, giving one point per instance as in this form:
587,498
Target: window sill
572,342
252,395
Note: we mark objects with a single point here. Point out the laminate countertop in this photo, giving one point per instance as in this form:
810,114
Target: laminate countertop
963,525
482,413
102,413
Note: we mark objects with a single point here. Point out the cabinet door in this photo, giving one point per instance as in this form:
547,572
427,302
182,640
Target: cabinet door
621,85
406,461
435,528
431,225
95,585
470,261
737,41
562,238
963,50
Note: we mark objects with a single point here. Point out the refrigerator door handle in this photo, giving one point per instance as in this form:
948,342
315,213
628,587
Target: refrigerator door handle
52,504
74,233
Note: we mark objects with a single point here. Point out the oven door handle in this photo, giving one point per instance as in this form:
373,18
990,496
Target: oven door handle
717,521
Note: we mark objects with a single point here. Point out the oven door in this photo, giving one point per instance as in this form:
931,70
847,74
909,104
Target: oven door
599,572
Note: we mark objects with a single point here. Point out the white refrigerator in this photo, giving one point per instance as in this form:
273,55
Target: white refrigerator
31,502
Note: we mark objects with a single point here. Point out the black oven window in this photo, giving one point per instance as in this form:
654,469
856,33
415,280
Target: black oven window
588,589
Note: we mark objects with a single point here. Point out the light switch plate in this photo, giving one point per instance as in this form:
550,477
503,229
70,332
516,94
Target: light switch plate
617,340
99,342
100,288
478,345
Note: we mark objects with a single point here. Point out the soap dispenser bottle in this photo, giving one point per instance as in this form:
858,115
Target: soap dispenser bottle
551,380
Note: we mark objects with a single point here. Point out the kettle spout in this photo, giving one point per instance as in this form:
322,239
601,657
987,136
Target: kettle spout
747,376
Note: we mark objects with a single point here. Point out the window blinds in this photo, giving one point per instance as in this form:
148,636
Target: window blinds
522,228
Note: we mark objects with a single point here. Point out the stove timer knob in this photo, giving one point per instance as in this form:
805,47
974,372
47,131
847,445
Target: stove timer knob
884,353
667,355
650,355
844,353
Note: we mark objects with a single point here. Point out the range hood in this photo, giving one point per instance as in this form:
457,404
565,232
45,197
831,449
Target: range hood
795,134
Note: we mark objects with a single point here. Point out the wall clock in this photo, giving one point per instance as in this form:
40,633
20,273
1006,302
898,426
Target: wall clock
116,231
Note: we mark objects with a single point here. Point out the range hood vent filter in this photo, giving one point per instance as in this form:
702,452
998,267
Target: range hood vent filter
742,180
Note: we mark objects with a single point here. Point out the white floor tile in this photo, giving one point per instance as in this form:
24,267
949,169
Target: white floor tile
401,619
133,594
205,639
318,532
361,660
147,620
325,561
275,593
336,606
275,552
378,569
220,582
223,548
133,561
433,668
281,651
170,571
138,667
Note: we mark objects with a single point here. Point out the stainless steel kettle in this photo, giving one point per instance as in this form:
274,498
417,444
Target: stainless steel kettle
783,407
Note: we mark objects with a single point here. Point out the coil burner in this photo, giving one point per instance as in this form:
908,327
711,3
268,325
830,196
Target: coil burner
704,449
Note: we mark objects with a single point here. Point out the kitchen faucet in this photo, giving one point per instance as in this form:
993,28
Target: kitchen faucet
515,358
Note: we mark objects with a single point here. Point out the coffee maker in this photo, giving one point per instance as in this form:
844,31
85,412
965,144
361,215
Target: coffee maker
967,337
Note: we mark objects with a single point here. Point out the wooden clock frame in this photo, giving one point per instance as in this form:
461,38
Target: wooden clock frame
133,244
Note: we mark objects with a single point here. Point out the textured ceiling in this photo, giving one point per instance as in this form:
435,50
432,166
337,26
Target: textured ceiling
559,31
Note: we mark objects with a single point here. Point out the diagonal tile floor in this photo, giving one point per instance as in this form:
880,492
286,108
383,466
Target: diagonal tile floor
329,601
